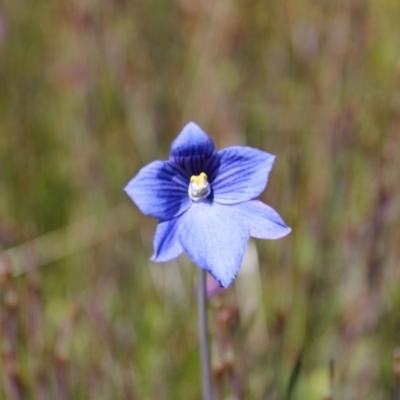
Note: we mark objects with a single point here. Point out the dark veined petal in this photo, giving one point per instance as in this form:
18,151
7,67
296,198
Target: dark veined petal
192,141
214,239
160,190
240,173
263,221
166,242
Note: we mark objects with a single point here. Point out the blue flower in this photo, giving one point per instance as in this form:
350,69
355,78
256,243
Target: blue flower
204,201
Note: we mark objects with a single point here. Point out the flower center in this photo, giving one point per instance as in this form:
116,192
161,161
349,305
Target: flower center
199,188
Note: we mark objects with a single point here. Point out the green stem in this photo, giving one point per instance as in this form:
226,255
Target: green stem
204,346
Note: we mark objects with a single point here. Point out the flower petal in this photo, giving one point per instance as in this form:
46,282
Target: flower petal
241,174
214,239
166,242
263,221
160,190
192,141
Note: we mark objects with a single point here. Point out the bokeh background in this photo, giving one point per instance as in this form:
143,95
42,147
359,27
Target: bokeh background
90,91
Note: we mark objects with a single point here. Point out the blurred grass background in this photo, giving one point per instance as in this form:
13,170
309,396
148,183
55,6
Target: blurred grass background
90,91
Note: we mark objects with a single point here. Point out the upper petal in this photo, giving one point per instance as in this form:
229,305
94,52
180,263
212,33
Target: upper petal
263,221
214,239
192,141
239,173
166,242
160,190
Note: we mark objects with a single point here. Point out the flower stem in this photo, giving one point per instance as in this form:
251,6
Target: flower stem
204,346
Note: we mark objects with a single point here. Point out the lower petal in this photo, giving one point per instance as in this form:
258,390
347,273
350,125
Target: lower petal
263,221
166,242
214,239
